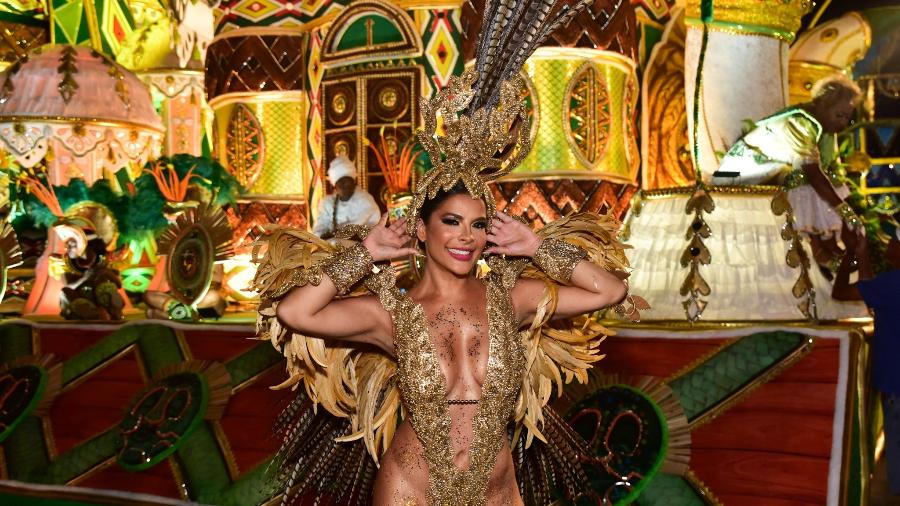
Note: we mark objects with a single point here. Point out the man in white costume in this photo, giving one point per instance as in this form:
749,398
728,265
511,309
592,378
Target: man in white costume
348,205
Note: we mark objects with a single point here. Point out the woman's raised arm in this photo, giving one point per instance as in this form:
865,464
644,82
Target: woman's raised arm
313,309
589,288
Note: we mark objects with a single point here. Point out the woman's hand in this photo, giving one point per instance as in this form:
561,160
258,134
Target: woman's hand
388,242
512,237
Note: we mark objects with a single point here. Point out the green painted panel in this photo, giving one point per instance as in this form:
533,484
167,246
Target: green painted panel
728,371
67,21
93,356
159,346
203,465
670,490
15,341
252,362
357,34
81,459
253,488
25,452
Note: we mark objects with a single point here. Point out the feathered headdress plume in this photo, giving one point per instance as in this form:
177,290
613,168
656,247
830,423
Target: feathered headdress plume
484,120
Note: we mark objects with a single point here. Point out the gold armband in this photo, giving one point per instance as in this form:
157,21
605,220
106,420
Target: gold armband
846,213
347,267
558,259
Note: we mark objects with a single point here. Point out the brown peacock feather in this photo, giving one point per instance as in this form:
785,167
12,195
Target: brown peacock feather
510,32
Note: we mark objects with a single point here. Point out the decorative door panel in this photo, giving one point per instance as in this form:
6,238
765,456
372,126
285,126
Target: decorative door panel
389,98
342,143
365,106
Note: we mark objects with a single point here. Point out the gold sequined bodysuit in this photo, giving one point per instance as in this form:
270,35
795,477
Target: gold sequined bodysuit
424,389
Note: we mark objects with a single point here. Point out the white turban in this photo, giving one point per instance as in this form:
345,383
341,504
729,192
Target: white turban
341,167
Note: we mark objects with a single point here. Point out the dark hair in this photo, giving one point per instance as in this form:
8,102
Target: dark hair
431,204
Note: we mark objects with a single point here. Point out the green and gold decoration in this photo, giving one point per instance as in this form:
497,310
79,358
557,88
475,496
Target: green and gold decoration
779,19
199,237
583,114
28,386
102,25
634,429
165,413
260,118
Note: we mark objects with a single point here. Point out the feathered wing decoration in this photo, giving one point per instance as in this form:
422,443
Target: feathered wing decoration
311,461
549,471
558,352
348,382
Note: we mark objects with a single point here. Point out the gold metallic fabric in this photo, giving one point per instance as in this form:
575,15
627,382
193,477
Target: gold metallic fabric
558,259
348,267
424,390
467,151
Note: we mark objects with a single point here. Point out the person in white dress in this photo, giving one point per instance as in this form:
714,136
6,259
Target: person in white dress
348,205
796,147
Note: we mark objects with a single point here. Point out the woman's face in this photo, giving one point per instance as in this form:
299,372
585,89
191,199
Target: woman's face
456,233
834,111
838,116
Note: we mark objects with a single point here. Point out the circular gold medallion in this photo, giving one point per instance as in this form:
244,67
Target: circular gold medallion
388,97
339,103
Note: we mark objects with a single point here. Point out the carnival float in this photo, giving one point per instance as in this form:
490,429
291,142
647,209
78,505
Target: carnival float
146,146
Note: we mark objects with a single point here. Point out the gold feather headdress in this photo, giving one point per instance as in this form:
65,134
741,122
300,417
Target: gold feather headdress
486,132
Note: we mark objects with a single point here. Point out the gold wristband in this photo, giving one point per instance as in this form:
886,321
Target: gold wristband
347,267
846,213
558,259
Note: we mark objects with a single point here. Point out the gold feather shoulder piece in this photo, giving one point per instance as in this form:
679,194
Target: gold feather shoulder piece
558,352
348,382
286,258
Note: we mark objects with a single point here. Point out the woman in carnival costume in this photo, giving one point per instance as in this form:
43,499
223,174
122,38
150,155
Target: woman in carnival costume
435,395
